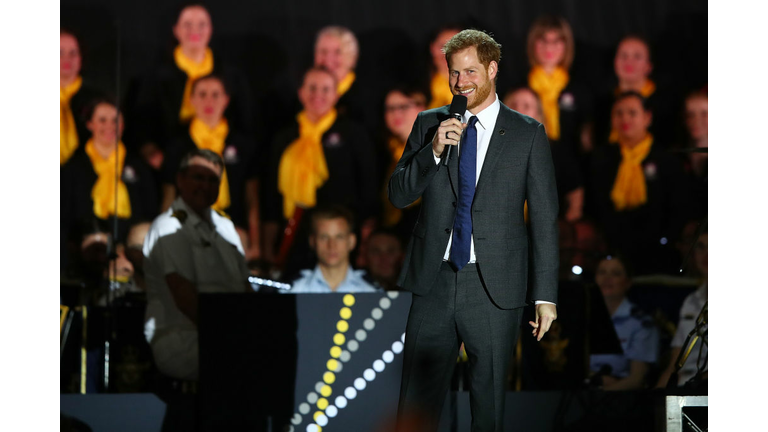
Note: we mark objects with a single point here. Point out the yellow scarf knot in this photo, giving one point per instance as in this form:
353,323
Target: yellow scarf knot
548,87
441,91
214,140
629,188
303,168
103,192
194,71
68,131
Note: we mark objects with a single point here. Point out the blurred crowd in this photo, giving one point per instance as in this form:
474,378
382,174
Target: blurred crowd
308,193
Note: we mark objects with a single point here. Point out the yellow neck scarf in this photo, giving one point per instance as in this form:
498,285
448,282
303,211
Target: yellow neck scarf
629,190
548,87
68,130
648,88
194,71
441,91
345,83
213,139
103,192
303,168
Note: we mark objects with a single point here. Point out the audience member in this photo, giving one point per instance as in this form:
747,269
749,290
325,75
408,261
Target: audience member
566,104
105,180
695,164
75,94
323,159
332,239
636,331
570,186
638,191
209,129
401,106
689,313
632,66
439,86
384,257
164,108
189,249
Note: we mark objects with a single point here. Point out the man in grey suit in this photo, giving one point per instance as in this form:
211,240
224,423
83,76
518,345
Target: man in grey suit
467,262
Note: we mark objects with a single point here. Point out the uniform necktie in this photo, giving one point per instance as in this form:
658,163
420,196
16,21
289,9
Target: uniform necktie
462,225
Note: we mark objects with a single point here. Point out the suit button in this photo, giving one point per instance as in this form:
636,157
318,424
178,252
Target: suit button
447,230
454,204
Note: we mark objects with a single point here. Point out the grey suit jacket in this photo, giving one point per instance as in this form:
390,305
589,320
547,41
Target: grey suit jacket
517,167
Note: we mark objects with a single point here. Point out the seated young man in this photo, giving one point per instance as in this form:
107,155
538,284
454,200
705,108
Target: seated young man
332,239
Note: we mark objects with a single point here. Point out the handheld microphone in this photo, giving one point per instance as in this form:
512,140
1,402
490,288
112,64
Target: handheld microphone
457,108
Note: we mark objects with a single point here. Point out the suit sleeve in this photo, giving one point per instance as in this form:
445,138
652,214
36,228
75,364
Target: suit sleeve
541,194
415,168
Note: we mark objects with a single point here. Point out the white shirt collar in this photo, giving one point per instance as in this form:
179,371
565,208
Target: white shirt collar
487,117
193,217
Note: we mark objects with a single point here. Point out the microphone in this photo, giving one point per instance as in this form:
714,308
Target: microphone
457,108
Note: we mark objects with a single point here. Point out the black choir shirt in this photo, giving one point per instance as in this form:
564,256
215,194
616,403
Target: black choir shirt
156,111
77,181
239,159
567,171
646,234
576,107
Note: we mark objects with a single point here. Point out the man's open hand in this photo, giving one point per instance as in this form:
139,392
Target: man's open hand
545,315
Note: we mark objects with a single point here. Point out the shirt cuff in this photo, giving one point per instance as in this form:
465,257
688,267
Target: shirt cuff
437,159
538,302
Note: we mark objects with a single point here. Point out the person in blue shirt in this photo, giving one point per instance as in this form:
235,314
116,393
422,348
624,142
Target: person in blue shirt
332,238
636,331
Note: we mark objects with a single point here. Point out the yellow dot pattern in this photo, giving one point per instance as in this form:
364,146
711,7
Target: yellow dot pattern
339,339
326,391
336,352
322,403
316,415
342,326
346,313
332,365
349,300
329,377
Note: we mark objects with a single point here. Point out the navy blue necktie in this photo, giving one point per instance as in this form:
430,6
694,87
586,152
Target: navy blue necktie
462,225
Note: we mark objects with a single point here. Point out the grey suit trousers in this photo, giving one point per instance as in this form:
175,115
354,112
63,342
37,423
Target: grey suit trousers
457,309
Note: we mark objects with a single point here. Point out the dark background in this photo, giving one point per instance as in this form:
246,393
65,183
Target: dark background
272,41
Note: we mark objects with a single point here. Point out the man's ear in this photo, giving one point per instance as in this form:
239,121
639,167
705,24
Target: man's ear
352,241
493,70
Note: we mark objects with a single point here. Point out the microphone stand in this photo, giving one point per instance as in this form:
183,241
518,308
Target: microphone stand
693,337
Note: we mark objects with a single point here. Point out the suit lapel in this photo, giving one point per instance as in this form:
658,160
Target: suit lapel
453,171
495,148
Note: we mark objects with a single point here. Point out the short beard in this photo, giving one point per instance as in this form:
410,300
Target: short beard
481,94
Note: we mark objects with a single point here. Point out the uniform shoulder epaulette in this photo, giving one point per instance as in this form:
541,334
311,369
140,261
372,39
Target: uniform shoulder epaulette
181,215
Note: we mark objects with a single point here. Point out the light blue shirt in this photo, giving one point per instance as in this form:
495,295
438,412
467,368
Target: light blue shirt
312,281
639,339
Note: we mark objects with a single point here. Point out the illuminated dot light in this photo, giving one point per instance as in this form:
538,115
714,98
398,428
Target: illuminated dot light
345,356
322,420
402,338
350,393
296,419
577,270
385,303
313,428
388,356
332,364
319,386
393,294
341,402
378,366
360,384
369,374
316,415
339,339
336,352
304,408
342,326
331,411
377,313
349,300
290,429
353,345
329,378
312,397
322,403
326,391
369,324
397,347
345,313
338,367
361,335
